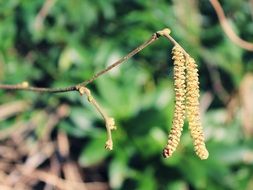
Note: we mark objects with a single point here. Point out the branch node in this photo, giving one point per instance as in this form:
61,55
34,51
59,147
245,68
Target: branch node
81,90
165,31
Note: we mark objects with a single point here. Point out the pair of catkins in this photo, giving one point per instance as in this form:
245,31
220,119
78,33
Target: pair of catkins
186,85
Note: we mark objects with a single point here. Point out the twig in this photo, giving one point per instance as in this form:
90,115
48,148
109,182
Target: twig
81,87
36,89
32,162
25,86
109,121
69,168
60,183
51,179
52,120
227,28
153,38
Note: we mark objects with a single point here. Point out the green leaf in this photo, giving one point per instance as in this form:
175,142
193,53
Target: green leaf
146,180
118,171
175,185
67,58
94,152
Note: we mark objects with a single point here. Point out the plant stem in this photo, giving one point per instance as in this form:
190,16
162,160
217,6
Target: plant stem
153,38
37,89
109,121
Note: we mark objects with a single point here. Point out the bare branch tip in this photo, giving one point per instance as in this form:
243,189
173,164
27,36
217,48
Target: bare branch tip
164,32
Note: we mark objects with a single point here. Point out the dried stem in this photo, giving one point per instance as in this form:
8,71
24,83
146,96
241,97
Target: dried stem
39,19
227,28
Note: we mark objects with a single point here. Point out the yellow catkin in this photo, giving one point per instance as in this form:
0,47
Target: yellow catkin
179,112
192,107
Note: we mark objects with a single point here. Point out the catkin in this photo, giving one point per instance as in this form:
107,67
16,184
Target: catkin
192,108
180,90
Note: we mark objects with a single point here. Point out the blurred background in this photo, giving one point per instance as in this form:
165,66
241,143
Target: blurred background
56,141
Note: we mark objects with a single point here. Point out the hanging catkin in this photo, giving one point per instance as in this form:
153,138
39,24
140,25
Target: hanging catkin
179,113
192,108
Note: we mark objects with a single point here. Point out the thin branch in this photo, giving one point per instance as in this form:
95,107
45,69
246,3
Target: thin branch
51,179
109,121
153,38
37,89
227,28
25,86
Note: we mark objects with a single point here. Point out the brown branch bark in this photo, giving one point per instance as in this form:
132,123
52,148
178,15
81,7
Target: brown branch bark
25,86
227,28
81,87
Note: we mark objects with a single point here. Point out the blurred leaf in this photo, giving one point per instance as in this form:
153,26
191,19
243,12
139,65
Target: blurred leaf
195,172
177,185
67,58
94,152
118,171
146,180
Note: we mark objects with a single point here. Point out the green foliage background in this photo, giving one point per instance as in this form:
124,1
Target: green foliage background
80,37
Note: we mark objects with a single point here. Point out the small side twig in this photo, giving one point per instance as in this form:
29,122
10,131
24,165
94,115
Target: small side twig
227,28
109,121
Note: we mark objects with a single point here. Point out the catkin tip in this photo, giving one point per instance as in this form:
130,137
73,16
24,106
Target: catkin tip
192,107
166,153
205,155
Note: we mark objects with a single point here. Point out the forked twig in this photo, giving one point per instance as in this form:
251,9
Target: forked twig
81,87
